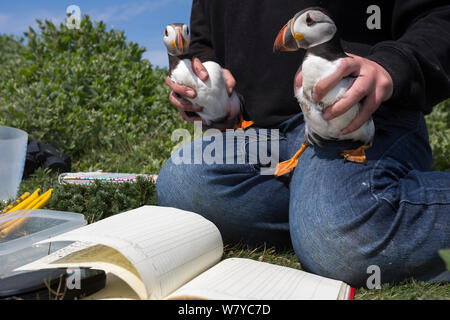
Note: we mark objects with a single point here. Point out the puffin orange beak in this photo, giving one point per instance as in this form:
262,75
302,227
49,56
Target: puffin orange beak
180,42
285,40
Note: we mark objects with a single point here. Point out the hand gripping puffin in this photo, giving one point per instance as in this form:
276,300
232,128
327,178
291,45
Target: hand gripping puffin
212,95
312,29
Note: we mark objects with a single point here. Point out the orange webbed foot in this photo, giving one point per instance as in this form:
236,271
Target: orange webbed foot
243,124
358,155
285,167
289,165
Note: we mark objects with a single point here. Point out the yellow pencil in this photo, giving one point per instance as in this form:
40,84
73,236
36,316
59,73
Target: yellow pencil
12,224
30,199
43,199
16,202
37,204
22,205
33,204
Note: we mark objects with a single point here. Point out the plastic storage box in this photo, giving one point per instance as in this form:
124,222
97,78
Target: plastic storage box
17,243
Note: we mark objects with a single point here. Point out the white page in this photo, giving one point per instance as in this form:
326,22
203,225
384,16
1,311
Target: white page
246,279
167,246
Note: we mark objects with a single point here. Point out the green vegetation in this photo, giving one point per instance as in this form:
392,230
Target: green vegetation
438,123
84,90
445,255
90,94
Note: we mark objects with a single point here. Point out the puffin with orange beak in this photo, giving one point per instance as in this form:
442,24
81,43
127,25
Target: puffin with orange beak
212,94
312,29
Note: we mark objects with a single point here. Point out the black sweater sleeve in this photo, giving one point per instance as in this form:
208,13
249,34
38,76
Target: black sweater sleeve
201,43
418,58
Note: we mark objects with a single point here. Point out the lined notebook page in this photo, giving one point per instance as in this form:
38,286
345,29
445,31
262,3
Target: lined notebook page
237,278
167,246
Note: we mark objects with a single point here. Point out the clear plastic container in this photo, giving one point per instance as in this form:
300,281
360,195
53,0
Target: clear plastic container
17,243
13,146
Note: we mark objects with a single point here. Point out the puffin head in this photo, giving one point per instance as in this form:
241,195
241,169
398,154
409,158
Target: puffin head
308,28
177,39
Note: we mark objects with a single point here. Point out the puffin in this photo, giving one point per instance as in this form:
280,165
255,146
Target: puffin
212,94
312,29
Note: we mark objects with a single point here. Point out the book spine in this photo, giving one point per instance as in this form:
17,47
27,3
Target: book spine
352,294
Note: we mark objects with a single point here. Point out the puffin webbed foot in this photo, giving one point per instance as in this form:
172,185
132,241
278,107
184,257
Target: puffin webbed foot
285,167
243,124
289,165
358,155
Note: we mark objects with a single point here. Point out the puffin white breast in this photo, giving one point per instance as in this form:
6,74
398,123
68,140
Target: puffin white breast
211,94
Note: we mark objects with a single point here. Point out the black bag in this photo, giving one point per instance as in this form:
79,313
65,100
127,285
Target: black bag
44,155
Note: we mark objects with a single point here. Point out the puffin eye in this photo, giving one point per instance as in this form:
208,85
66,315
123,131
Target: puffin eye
166,33
309,21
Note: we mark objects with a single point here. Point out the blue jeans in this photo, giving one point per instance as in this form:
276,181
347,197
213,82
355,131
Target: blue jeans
340,217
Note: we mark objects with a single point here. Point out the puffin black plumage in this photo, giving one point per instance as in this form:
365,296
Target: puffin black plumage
212,94
313,29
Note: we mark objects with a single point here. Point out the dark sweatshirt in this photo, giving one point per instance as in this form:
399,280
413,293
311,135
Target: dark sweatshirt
413,45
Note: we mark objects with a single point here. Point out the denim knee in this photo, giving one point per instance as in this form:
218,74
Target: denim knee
322,248
171,178
243,204
331,223
346,240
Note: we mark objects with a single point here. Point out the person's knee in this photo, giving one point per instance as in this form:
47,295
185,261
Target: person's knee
164,183
324,245
332,258
173,182
187,187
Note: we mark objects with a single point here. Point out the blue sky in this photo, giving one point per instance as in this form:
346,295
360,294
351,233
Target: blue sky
142,20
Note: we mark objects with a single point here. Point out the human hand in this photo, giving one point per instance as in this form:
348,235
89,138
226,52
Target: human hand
373,85
230,81
179,92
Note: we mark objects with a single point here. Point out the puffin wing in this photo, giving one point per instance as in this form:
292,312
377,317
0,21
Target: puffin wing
315,69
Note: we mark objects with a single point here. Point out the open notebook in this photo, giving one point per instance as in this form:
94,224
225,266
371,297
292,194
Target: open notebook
166,253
